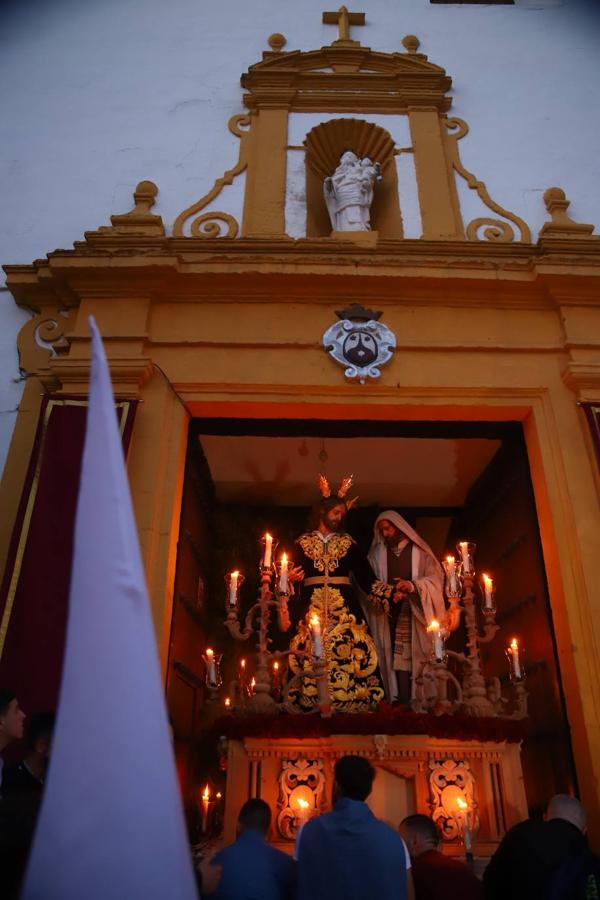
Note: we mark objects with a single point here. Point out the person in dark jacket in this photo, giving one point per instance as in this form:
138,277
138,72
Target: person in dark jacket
251,868
435,875
348,854
532,853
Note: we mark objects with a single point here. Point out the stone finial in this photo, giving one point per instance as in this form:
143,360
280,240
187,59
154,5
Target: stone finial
411,43
277,42
140,219
561,225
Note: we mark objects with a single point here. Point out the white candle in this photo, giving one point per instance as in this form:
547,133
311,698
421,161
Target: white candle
488,587
315,628
464,552
303,814
210,666
283,575
516,663
463,807
268,551
205,808
438,641
451,573
233,588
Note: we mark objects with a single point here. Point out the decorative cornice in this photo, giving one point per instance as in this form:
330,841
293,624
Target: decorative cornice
582,377
73,375
346,78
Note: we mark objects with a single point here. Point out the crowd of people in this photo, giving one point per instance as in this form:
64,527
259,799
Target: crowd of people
346,853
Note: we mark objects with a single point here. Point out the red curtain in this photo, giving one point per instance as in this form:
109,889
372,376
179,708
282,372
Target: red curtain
35,589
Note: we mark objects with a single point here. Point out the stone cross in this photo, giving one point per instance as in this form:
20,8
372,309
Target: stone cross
344,19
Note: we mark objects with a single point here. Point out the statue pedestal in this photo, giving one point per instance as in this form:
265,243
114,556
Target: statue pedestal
290,766
364,238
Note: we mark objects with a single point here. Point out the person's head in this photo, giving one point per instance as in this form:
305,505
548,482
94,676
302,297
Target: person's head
39,734
348,158
331,513
419,833
353,778
255,815
563,806
389,532
11,718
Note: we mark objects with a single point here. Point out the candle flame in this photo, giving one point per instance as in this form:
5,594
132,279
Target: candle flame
463,545
284,559
219,795
314,620
275,666
434,625
253,683
462,804
235,574
488,582
206,793
210,653
450,559
227,702
268,537
514,644
302,803
242,663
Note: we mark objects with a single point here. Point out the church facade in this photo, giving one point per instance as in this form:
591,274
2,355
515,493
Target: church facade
473,293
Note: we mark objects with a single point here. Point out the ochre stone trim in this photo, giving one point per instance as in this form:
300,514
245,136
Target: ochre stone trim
206,226
356,79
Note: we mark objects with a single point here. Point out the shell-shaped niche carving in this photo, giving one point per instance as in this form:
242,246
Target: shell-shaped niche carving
325,144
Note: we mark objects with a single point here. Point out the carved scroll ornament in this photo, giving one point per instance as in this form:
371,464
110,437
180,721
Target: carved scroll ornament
451,780
207,225
301,790
43,337
494,229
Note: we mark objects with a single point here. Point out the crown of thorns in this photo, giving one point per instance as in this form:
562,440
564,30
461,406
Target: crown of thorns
343,489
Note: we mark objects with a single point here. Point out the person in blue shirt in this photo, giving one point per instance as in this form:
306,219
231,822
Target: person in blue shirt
348,853
251,868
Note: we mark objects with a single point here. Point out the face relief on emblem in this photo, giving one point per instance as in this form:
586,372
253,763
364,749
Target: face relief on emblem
360,343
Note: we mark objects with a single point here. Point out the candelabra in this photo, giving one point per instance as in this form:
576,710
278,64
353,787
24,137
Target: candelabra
258,619
473,697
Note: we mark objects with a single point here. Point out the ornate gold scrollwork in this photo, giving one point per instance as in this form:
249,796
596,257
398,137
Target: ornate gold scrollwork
449,781
350,655
496,230
301,781
206,225
50,326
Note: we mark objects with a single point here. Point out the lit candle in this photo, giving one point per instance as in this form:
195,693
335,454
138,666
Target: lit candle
513,650
233,588
205,808
466,561
438,641
488,590
227,703
242,673
451,574
276,675
283,574
303,814
268,550
315,629
253,685
463,807
210,666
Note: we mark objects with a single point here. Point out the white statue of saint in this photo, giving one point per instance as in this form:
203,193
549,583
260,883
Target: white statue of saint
349,192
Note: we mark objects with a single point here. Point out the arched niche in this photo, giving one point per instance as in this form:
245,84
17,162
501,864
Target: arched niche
324,145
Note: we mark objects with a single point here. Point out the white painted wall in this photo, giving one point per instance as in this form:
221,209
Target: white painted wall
96,96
